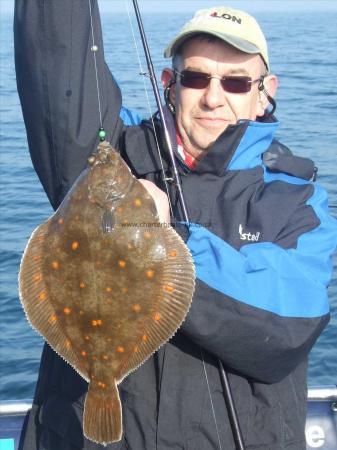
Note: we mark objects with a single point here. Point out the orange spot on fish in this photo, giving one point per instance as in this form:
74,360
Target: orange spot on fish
144,338
156,317
41,238
150,273
87,338
173,253
66,310
55,265
108,289
105,357
101,385
96,323
120,349
137,202
52,319
121,263
136,349
94,358
130,246
147,235
81,313
119,210
83,353
37,277
36,258
124,290
75,245
42,296
60,221
82,285
136,308
67,343
169,288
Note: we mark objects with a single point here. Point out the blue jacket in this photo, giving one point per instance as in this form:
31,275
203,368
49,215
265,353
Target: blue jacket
261,238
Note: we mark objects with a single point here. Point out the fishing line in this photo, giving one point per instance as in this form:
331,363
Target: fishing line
94,49
210,397
144,73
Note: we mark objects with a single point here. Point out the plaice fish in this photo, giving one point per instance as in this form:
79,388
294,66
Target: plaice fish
105,284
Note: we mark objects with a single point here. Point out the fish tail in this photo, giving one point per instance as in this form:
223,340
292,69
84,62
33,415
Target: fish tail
102,420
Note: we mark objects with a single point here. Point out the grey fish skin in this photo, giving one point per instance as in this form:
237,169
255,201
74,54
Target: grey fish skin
105,284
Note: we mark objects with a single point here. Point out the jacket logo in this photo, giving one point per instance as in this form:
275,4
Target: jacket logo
248,236
226,16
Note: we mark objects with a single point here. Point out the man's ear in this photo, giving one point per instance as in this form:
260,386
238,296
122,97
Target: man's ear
166,78
270,85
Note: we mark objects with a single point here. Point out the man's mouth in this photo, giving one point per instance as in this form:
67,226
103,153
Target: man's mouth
212,122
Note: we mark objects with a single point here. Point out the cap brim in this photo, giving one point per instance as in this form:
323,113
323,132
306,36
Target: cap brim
236,42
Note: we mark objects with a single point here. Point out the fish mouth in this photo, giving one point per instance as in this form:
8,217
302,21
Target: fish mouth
113,197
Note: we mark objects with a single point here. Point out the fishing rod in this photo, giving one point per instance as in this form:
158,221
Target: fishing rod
233,418
153,79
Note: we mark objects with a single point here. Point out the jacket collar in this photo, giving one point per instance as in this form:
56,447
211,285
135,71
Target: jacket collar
239,147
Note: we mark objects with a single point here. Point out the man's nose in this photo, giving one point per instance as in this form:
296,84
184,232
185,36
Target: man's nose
214,95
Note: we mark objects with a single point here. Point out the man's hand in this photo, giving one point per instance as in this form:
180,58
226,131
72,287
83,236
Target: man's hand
160,199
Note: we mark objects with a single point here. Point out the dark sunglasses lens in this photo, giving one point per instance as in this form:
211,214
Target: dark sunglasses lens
236,85
200,80
194,80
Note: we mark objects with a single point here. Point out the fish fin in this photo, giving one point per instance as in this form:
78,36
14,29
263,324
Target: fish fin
35,298
172,304
108,222
102,419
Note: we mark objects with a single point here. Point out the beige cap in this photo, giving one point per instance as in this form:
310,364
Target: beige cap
235,27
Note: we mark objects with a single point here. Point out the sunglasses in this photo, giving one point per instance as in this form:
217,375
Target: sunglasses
232,84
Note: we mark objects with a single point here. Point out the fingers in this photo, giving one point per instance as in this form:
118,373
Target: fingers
160,199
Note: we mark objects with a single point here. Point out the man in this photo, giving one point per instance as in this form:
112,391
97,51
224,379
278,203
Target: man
261,249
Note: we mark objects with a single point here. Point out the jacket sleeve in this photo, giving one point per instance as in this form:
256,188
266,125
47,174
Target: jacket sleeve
57,87
261,309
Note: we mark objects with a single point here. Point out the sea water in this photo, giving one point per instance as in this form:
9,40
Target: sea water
303,54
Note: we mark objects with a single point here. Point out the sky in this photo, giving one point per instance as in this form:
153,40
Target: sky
147,6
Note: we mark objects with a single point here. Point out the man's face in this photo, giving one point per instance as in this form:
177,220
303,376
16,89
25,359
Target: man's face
203,114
